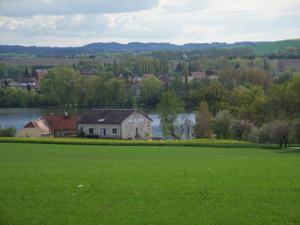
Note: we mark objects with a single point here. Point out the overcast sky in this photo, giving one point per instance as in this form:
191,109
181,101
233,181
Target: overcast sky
77,22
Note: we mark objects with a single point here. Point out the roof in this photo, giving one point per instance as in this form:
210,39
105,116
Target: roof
109,116
40,124
62,122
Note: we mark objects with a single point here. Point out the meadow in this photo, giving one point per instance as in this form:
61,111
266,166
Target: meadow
56,184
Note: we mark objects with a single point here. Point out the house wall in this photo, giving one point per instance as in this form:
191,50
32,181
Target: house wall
136,121
30,132
64,133
97,129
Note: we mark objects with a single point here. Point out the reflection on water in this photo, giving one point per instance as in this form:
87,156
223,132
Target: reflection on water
18,117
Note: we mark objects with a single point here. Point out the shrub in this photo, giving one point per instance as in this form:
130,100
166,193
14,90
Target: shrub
202,128
280,132
295,131
241,129
277,132
85,141
7,132
221,124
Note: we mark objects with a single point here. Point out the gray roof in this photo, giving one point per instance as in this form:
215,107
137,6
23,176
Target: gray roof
108,116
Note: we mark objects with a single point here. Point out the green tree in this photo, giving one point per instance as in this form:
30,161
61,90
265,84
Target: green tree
293,92
221,124
169,108
202,128
215,95
60,87
186,80
151,88
241,129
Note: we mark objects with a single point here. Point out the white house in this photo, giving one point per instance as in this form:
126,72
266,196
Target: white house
116,124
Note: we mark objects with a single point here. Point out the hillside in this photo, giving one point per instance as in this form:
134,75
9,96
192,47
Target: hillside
260,48
265,48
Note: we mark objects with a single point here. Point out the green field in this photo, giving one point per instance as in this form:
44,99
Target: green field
50,184
265,48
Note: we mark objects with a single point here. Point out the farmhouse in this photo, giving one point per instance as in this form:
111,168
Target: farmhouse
51,125
37,128
62,125
116,124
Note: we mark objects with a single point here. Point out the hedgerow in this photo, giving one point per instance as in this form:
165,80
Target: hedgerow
193,142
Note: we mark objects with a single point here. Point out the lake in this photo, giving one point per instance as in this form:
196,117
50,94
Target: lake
18,117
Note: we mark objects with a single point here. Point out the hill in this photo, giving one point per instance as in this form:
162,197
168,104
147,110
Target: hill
265,48
261,48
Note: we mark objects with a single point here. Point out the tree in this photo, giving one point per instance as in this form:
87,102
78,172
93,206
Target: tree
294,95
221,124
151,88
280,131
295,131
60,87
169,108
117,94
215,95
186,80
241,129
7,132
202,128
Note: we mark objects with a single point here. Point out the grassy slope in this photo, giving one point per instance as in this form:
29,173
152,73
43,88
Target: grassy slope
271,47
147,185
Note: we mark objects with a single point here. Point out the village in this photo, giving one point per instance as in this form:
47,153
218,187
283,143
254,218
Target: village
97,123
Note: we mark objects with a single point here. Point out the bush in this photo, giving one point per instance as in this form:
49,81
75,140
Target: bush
7,132
221,124
85,141
241,129
295,132
277,132
264,133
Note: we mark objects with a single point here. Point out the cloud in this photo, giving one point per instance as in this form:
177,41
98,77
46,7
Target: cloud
28,8
173,21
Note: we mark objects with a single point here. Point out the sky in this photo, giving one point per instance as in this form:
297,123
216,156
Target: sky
77,22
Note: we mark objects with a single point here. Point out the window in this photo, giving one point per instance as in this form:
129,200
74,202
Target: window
114,131
102,131
141,120
91,130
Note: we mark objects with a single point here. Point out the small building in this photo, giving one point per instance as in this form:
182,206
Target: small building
116,124
37,128
40,73
62,125
51,125
208,74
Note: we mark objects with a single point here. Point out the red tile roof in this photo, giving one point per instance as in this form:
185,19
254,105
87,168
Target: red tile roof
62,122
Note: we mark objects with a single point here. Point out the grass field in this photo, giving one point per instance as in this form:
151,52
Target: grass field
263,48
50,184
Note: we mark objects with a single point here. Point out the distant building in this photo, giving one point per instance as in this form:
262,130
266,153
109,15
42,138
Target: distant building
40,73
37,128
116,124
88,72
211,75
62,125
197,75
146,75
51,125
